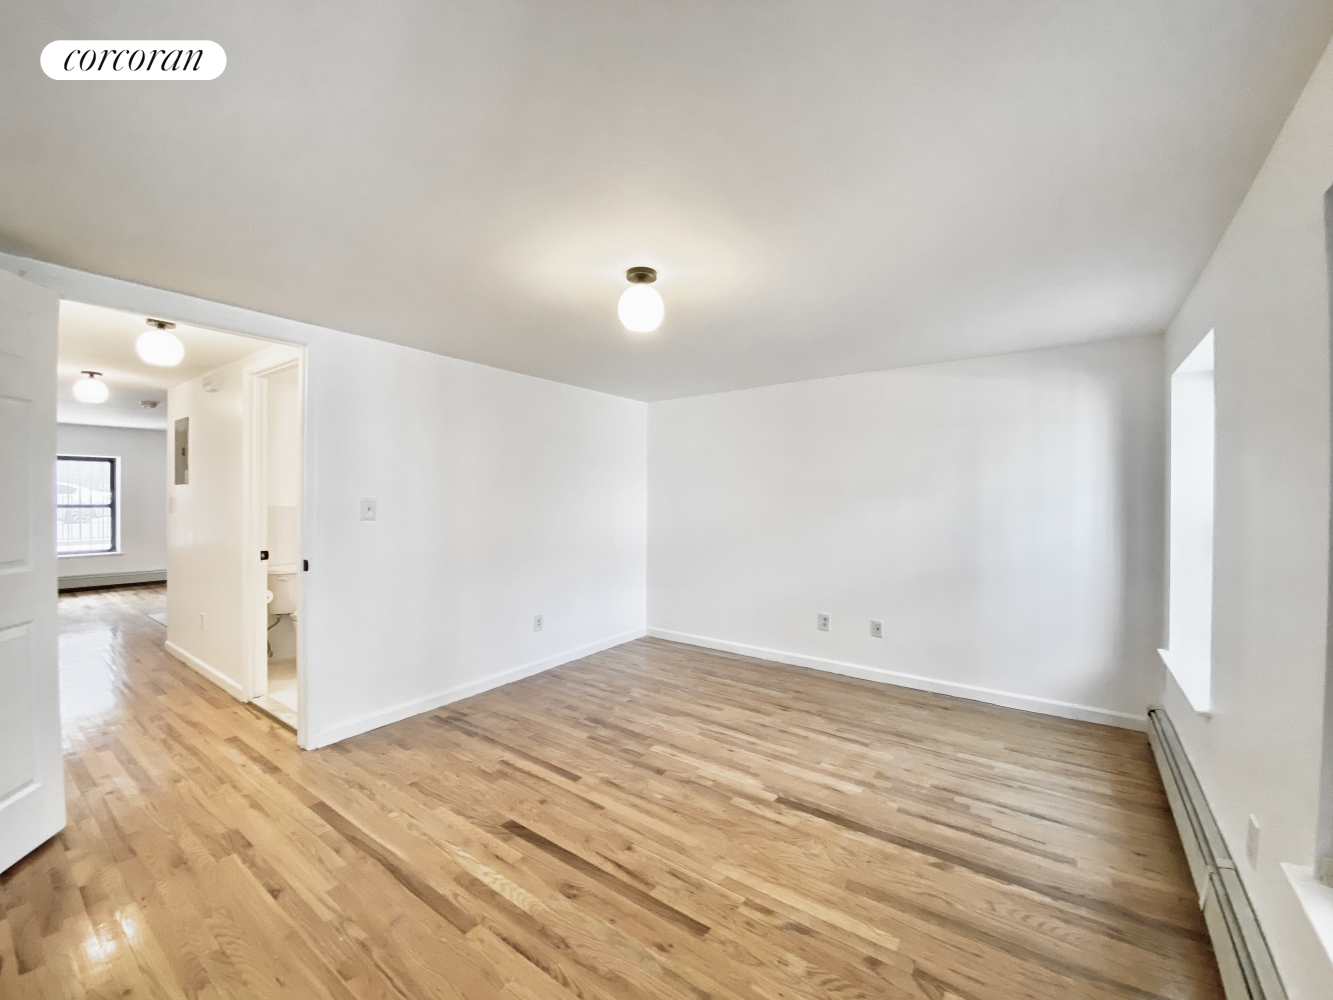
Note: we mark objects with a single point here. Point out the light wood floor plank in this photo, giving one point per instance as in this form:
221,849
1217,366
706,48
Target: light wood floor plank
654,821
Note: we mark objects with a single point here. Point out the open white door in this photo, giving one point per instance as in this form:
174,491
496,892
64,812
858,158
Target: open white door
32,773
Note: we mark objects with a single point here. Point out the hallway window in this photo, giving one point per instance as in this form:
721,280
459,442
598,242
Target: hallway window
1190,615
86,512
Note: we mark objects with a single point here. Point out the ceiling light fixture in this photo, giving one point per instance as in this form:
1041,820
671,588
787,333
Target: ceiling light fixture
158,347
641,308
89,390
148,404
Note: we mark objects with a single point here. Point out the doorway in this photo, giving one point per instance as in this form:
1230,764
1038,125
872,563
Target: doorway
187,469
274,499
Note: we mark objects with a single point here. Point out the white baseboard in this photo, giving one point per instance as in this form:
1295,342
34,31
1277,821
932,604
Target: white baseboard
1005,699
407,709
216,676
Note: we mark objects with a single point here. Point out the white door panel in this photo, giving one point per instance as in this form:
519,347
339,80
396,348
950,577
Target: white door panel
18,737
15,484
32,776
16,331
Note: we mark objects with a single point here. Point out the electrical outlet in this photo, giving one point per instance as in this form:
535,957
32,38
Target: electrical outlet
538,622
369,506
822,622
171,505
201,621
877,629
1252,842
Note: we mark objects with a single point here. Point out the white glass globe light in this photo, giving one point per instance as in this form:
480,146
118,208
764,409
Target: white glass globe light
641,308
90,390
158,347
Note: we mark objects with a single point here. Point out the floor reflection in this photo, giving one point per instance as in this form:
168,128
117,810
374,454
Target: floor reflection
94,640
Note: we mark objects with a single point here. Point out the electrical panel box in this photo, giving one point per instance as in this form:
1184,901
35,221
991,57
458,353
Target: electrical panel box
182,451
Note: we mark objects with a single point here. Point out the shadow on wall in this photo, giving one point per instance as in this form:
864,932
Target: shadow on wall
1001,517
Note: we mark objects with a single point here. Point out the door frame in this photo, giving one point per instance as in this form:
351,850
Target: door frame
254,517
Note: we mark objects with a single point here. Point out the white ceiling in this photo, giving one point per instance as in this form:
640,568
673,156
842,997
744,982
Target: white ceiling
823,187
99,339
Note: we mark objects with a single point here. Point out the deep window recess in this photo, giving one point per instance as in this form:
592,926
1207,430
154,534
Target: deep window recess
85,505
1190,616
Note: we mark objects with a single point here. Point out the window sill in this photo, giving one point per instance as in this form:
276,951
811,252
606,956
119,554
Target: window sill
1316,900
1206,711
87,555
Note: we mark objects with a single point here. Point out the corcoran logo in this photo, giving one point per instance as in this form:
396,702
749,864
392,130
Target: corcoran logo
121,60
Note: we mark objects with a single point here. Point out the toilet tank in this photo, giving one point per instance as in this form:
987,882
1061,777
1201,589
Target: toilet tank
283,587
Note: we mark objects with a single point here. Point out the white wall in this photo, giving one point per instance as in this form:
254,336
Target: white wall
1265,291
501,496
206,557
1001,516
143,501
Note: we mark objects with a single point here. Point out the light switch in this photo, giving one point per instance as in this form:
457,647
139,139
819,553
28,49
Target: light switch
1252,842
368,508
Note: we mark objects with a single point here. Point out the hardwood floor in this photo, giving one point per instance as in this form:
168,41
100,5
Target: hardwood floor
653,821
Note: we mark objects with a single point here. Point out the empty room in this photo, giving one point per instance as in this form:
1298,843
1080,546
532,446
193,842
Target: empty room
685,501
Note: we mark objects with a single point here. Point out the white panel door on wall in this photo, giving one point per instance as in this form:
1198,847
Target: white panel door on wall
32,774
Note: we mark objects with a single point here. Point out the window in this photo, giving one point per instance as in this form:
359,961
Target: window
85,505
1190,613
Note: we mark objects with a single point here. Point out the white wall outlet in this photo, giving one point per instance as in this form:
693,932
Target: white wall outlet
538,622
822,622
877,629
202,621
1252,842
171,505
369,506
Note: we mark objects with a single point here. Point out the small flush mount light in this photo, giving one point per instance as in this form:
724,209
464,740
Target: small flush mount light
148,404
89,390
641,308
159,347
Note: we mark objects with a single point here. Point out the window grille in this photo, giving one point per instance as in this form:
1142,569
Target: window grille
85,505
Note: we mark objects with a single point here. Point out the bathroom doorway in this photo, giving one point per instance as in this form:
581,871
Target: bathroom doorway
275,493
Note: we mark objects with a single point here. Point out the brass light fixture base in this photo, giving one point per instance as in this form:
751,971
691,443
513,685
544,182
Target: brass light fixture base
641,275
161,324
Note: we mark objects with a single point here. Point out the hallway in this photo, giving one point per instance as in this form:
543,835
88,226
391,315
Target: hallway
653,821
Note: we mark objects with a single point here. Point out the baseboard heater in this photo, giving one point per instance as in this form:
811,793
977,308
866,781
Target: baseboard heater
1246,964
92,581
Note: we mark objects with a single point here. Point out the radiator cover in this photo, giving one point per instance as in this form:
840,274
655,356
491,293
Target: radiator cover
1243,957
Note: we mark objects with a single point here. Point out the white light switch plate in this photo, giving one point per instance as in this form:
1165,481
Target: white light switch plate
1252,842
368,508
